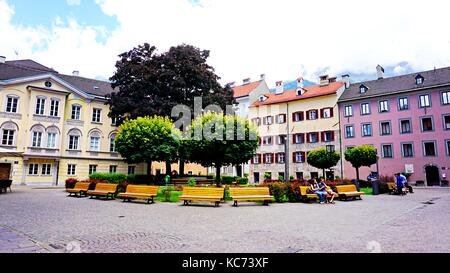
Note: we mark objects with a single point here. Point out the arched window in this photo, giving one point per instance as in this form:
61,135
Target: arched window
9,131
74,140
37,133
52,137
94,140
112,142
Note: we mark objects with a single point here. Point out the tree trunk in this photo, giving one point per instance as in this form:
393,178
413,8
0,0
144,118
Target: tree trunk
181,169
169,168
218,182
324,177
357,174
149,168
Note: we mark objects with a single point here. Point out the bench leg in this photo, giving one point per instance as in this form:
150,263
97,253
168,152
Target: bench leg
266,203
217,204
185,203
235,204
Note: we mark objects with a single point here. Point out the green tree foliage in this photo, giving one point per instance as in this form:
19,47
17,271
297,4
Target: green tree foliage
323,159
361,156
148,139
217,140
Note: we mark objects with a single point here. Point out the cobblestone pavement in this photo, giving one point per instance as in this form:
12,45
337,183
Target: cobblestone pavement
41,220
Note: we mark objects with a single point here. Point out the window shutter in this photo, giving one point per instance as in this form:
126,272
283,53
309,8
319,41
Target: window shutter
294,157
293,117
284,118
294,139
303,156
259,158
332,136
264,158
276,158
307,115
322,137
259,141
302,116
317,137
331,112
321,113
308,138
273,157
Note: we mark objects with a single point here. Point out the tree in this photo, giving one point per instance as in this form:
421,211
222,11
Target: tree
323,159
216,140
362,156
148,139
147,83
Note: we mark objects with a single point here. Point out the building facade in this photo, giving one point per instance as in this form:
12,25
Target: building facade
54,127
293,122
406,118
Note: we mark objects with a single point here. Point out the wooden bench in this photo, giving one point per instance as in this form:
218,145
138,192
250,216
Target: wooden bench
213,194
79,190
391,187
311,196
104,190
251,194
4,185
348,191
139,192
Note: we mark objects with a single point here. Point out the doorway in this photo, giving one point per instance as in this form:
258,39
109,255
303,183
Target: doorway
432,174
5,171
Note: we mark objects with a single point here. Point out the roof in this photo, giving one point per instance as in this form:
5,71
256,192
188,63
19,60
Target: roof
391,85
244,90
28,68
310,92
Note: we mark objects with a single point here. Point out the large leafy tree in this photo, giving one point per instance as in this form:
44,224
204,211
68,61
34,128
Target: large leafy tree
216,140
148,139
323,159
149,83
361,156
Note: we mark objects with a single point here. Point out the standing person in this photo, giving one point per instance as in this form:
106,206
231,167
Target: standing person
319,191
328,191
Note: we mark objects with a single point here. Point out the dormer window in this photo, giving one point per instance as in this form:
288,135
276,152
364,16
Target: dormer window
419,79
300,92
363,89
262,98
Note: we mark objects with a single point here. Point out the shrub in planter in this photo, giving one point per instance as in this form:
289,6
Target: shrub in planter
192,182
242,181
293,193
227,180
279,190
70,183
167,193
122,187
110,177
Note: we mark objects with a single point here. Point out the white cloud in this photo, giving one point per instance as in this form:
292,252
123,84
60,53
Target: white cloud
73,2
283,39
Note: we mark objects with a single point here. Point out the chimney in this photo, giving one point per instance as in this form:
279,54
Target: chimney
300,83
324,80
232,84
76,73
2,59
332,79
246,81
279,88
263,76
346,80
380,72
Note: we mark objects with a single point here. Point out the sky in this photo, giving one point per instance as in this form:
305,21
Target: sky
284,39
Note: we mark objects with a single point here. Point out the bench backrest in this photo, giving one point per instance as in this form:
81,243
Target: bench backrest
198,191
391,185
249,191
345,188
106,187
82,186
142,189
304,190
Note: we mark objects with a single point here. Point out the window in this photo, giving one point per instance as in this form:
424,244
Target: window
282,140
8,137
387,151
40,106
429,148
446,97
267,141
131,169
112,169
328,136
447,146
407,150
447,122
419,80
427,124
74,142
256,121
299,175
367,130
424,101
281,118
46,169
92,169
71,169
403,104
298,116
385,128
54,108
96,115
51,140
299,157
256,177
362,89
256,159
268,120
405,126
11,104
313,137
268,159
312,114
33,169
330,148
95,144
37,139
76,112
299,138
348,111
365,109
113,120
349,131
327,113
384,106
281,158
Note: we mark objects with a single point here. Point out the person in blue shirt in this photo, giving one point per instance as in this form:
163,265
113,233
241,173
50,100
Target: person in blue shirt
319,189
400,181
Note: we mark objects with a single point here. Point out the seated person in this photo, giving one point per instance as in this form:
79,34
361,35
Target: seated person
329,191
319,190
399,182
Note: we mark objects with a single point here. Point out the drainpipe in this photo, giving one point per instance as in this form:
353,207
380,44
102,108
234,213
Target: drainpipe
286,147
340,144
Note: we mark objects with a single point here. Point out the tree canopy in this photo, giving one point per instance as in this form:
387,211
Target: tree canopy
361,156
323,159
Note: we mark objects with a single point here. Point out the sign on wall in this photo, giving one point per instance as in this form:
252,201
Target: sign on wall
409,168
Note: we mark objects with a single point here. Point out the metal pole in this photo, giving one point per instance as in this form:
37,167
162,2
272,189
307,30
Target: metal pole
286,146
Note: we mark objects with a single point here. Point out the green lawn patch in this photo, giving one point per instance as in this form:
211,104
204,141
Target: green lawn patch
367,191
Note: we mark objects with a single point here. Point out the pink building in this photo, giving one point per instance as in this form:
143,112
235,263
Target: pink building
407,118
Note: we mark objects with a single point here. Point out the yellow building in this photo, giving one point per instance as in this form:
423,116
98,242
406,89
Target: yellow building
293,122
55,126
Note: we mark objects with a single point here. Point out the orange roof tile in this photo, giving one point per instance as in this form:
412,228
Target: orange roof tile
244,90
291,95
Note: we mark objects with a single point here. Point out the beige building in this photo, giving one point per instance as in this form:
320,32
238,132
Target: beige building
293,122
55,126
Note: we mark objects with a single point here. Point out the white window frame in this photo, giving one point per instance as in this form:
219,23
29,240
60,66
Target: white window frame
75,144
112,168
14,105
424,100
97,115
40,106
298,157
133,168
76,112
352,131
365,108
46,169
36,139
383,106
92,168
383,155
33,169
10,135
445,97
71,169
51,140
363,132
94,145
401,105
281,156
54,108
348,111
